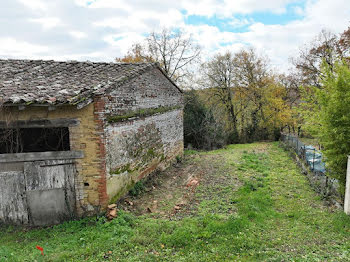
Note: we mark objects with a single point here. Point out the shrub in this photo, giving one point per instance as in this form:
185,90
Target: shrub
201,129
334,117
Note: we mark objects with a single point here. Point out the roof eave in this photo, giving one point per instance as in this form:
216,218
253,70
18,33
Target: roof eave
23,106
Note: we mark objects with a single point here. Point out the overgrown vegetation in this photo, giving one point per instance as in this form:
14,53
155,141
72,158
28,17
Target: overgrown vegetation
242,101
334,118
238,98
202,130
250,103
325,93
122,169
260,211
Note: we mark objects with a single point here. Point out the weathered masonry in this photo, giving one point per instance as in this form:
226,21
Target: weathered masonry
75,136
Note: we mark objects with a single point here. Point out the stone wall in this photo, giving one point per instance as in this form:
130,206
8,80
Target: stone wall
137,146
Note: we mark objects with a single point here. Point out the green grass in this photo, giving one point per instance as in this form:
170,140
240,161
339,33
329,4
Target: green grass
190,152
257,207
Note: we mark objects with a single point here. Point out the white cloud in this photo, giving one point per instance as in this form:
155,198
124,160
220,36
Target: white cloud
298,10
34,4
115,4
93,56
140,21
78,34
210,37
222,8
11,47
109,27
47,22
237,23
123,41
227,8
122,23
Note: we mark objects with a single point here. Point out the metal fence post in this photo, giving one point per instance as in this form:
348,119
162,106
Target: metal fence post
297,146
289,139
313,161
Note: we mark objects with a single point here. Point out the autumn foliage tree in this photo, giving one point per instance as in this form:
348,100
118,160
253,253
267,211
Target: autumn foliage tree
254,101
136,54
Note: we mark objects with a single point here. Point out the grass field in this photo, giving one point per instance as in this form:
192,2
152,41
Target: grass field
251,203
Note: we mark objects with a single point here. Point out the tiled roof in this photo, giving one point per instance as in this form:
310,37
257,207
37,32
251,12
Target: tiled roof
51,82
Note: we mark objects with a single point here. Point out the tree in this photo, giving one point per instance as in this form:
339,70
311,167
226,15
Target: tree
175,51
325,98
277,111
344,46
334,118
253,99
136,54
219,78
201,128
252,77
292,98
326,47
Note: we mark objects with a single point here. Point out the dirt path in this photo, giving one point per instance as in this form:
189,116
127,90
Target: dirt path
177,192
199,179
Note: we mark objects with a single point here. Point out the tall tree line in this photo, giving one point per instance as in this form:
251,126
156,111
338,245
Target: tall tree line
239,99
323,68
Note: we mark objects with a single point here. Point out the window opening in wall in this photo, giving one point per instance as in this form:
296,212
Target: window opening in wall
24,140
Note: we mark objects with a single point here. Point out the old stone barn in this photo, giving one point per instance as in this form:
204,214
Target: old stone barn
75,136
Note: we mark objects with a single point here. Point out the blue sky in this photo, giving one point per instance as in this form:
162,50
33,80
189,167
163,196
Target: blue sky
265,17
100,30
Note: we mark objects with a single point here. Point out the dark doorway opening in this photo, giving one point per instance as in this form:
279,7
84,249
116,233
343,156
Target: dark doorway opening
24,140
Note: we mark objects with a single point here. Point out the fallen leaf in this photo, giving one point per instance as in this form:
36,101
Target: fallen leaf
194,182
112,206
41,249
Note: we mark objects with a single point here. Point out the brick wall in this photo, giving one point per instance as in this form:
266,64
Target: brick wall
84,137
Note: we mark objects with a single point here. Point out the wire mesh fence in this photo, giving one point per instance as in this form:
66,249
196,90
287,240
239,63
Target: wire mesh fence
313,158
308,153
